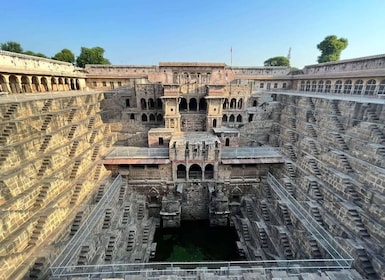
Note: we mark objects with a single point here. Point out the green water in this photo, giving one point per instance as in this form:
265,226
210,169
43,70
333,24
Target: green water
196,241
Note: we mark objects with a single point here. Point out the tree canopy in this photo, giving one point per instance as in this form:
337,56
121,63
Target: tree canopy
12,46
277,61
331,48
65,55
91,56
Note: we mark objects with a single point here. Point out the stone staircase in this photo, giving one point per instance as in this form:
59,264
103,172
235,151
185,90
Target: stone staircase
110,249
46,141
314,166
292,123
340,141
75,194
76,223
46,106
290,170
365,264
71,115
285,214
359,226
378,135
316,191
140,213
75,169
313,147
286,248
36,233
334,107
317,215
93,136
351,192
345,163
107,219
267,191
291,152
130,240
41,196
314,249
9,129
91,123
72,131
145,234
122,192
311,130
289,188
10,113
4,153
336,123
265,212
46,163
95,152
371,115
311,103
126,214
245,231
39,269
89,110
74,147
83,255
98,170
46,122
263,238
292,136
100,193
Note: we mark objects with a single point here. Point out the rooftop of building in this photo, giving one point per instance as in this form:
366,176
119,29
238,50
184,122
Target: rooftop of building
196,137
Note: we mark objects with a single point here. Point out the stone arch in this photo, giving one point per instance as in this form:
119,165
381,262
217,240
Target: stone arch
224,118
358,85
202,104
320,86
159,117
183,105
233,103
152,117
302,87
72,84
181,171
132,116
381,88
338,86
307,86
143,104
255,103
14,84
195,172
209,171
159,103
225,104
239,118
151,104
3,84
153,196
240,103
235,195
67,84
144,117
232,118
35,84
347,86
44,84
193,106
313,86
54,85
370,87
328,86
77,84
227,142
60,84
25,85
214,123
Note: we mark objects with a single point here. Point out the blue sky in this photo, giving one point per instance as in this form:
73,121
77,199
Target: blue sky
149,32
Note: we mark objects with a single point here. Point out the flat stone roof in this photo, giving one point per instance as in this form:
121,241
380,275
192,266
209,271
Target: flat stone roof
251,155
138,152
191,64
224,129
194,137
160,129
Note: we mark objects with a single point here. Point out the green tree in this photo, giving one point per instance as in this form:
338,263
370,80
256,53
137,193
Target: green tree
12,46
91,56
35,54
277,61
65,55
331,48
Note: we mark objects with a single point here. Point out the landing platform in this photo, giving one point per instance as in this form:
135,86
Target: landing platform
251,155
137,155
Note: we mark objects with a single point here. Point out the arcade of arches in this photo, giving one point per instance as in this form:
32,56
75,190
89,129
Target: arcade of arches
195,171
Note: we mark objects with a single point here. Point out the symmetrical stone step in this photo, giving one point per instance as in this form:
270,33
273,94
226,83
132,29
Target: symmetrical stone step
92,137
263,238
337,124
290,170
9,114
10,128
317,215
291,152
284,241
285,214
249,209
107,219
290,188
140,214
36,233
351,192
292,136
311,103
360,227
122,192
371,115
100,193
311,130
292,123
83,255
71,115
74,147
75,169
76,223
366,265
46,122
314,166
110,249
265,212
313,147
345,163
109,141
145,234
46,141
75,194
95,152
378,135
130,240
91,123
71,101
44,166
98,170
315,251
334,107
314,188
126,214
89,110
4,153
267,191
41,196
340,141
47,105
245,232
38,269
72,131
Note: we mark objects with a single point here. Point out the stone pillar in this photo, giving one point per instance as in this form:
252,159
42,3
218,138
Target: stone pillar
6,84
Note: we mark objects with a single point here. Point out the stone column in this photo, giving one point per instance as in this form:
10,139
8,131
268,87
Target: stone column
6,83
